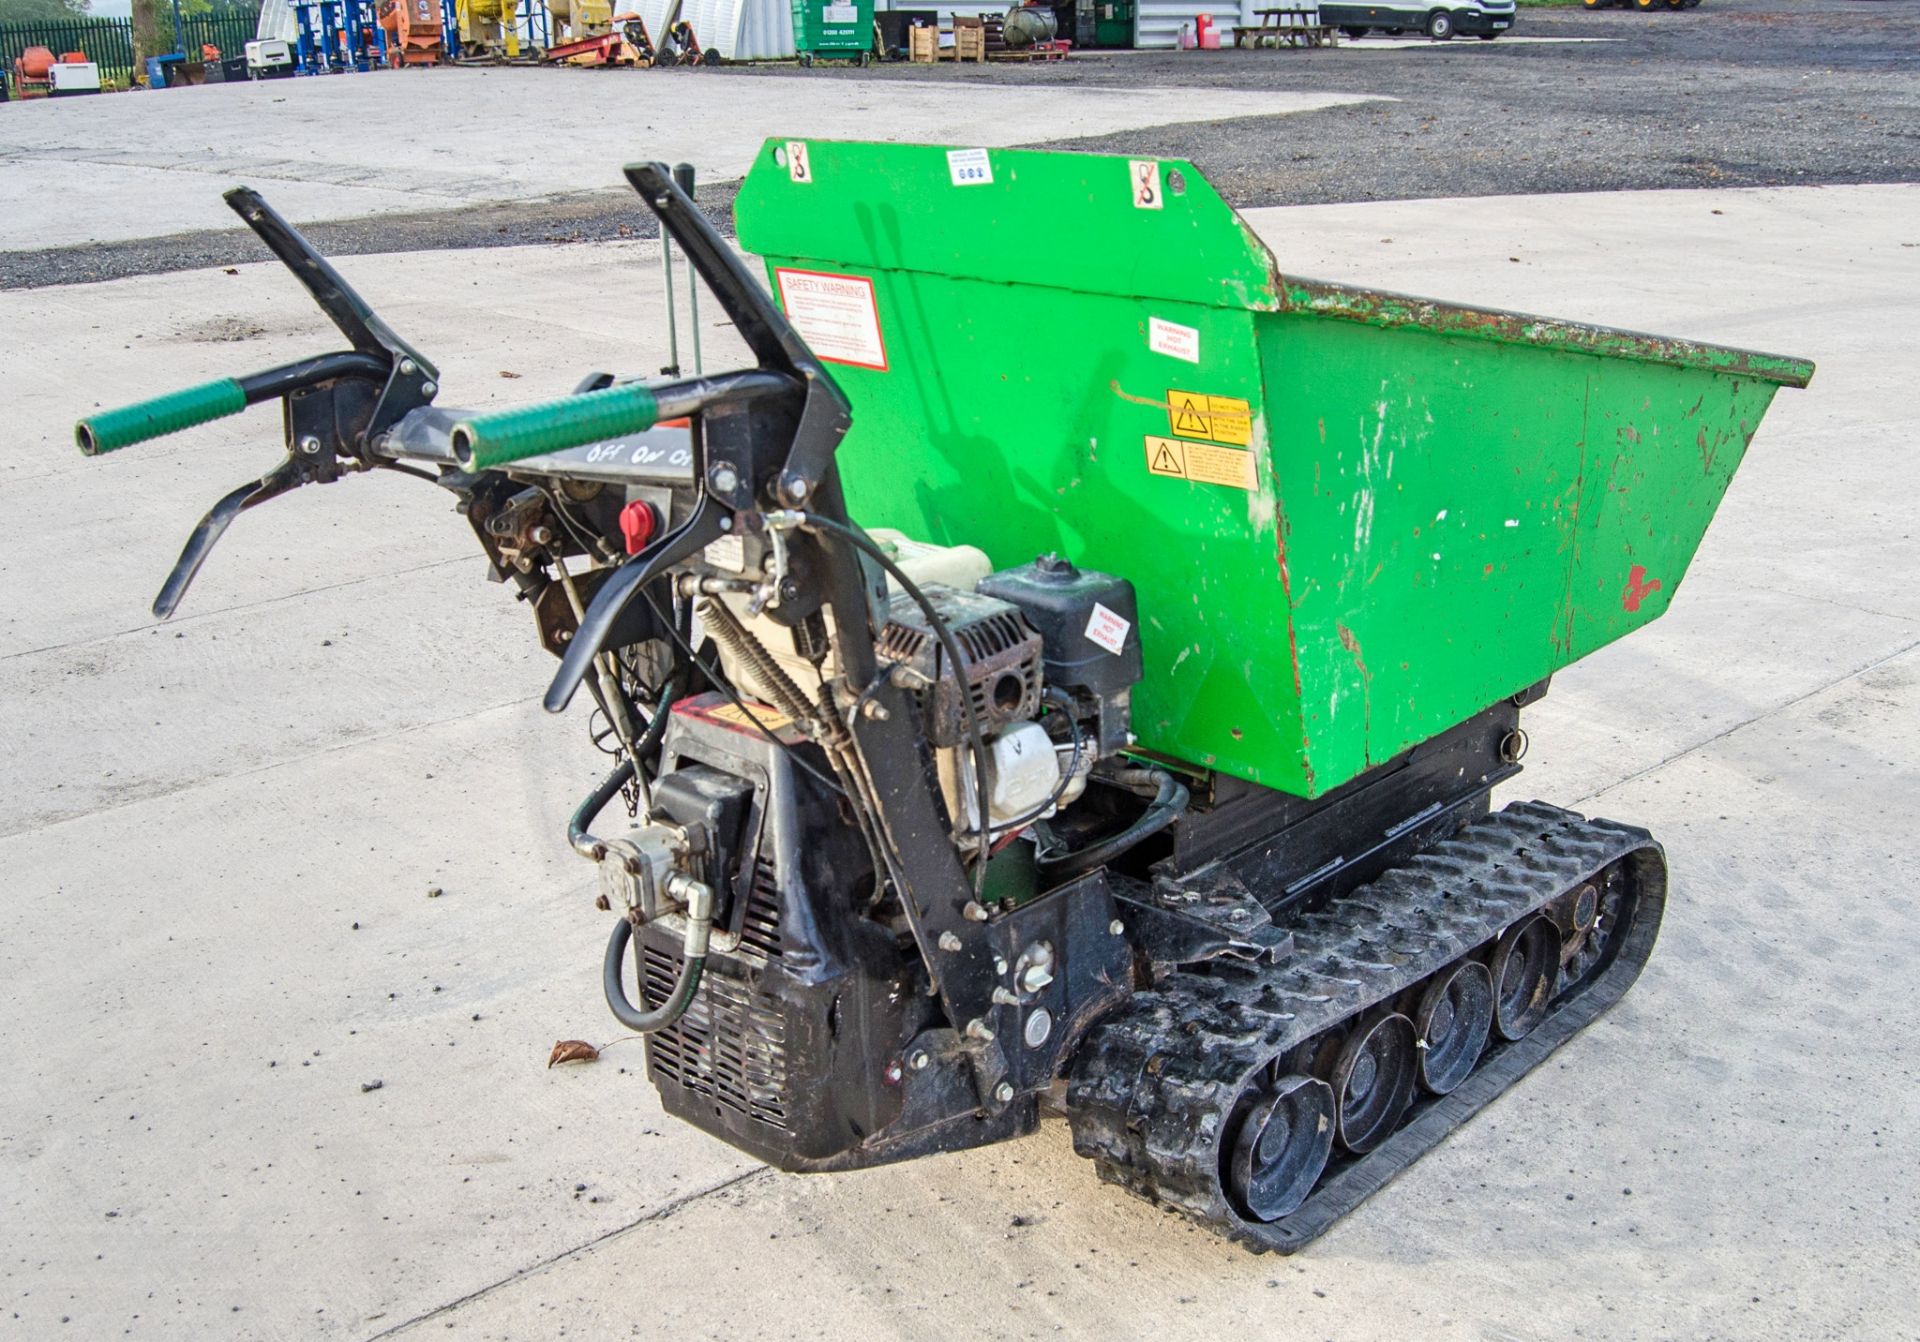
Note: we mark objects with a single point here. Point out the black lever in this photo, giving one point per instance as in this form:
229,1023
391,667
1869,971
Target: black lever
708,524
826,415
823,419
412,380
279,480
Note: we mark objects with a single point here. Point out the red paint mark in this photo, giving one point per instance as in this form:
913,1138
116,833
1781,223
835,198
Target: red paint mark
1351,642
1286,589
1639,587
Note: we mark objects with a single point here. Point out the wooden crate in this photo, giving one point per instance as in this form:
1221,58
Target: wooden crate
969,39
923,45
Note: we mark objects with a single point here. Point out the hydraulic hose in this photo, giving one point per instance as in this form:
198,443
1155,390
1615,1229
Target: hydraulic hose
624,1011
584,843
1169,801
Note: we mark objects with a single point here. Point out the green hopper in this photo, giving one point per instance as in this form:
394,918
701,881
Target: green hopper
1353,518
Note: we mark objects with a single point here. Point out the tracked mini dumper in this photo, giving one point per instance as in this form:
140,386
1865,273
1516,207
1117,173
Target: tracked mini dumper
1114,728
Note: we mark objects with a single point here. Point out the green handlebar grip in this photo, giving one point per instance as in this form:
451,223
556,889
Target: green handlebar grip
113,429
485,441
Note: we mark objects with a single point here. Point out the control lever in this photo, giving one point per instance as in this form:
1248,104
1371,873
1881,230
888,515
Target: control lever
336,404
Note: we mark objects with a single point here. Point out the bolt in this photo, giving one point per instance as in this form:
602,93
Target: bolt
429,388
408,367
725,479
310,446
1116,927
894,1073
874,710
540,535
1005,997
977,1028
1004,1092
919,1060
949,942
798,487
726,524
975,911
999,964
565,635
1237,915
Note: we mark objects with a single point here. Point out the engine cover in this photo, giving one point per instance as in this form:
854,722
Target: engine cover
796,1046
1001,652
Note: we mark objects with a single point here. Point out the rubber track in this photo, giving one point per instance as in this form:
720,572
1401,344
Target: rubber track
1151,1090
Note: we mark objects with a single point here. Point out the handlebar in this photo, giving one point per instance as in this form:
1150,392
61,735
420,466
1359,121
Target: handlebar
111,430
483,441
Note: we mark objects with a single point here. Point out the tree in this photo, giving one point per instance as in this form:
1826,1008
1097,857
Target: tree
152,32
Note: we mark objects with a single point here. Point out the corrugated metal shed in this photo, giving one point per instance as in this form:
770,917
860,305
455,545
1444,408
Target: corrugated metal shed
742,30
1157,23
277,22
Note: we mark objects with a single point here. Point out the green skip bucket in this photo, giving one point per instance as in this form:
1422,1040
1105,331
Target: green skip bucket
1353,518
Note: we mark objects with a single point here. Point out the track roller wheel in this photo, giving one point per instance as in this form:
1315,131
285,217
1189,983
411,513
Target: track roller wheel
1600,910
1454,1016
1372,1080
1524,962
1280,1146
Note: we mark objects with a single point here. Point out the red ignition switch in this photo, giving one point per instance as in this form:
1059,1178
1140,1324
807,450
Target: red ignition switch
638,522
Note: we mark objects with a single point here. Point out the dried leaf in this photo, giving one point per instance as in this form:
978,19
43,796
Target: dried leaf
573,1050
505,373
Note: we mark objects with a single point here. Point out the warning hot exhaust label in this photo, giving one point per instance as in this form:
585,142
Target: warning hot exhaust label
835,314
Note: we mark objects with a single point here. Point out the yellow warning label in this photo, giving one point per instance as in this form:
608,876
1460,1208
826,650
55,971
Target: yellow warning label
770,718
1221,419
1203,462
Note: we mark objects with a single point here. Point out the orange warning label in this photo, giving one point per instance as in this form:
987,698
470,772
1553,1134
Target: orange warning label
1202,462
747,714
1219,419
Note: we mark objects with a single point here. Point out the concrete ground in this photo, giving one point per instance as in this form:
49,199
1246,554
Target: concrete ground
220,838
140,165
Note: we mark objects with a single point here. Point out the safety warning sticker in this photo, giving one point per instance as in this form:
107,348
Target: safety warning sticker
747,713
836,316
1203,462
969,167
1108,628
1173,340
1219,419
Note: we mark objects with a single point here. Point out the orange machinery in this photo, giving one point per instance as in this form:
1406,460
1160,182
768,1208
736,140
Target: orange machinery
413,32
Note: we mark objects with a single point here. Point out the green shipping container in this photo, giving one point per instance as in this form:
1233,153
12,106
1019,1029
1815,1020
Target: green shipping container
1353,518
837,29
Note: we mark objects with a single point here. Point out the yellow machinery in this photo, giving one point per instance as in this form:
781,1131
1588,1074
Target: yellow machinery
578,19
487,28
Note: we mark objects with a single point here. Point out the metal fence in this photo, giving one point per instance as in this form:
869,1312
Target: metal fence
107,42
230,30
